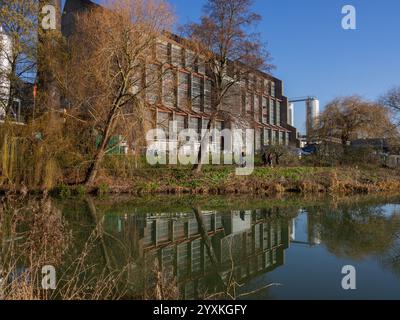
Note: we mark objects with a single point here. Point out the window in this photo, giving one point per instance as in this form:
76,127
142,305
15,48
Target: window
219,126
201,66
180,122
197,93
176,57
271,112
266,137
278,113
266,87
205,123
258,140
257,111
273,90
190,60
137,81
196,256
248,102
273,137
264,110
169,92
163,122
287,138
183,89
162,230
153,83
162,52
194,124
258,87
252,82
280,138
207,95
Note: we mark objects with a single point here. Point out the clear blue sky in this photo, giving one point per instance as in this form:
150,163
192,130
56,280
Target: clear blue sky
315,56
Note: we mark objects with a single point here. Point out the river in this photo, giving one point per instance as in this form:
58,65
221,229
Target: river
217,247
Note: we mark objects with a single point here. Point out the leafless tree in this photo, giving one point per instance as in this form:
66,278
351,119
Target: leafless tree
104,74
18,19
392,100
223,38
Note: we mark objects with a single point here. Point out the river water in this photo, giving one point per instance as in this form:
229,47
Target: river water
241,248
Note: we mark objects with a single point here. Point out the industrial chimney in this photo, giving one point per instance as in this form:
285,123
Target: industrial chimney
291,114
312,105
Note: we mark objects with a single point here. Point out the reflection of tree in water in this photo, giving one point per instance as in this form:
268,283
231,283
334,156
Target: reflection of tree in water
356,231
391,258
33,233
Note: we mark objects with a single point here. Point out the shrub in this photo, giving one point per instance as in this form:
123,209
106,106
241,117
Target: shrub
64,191
103,189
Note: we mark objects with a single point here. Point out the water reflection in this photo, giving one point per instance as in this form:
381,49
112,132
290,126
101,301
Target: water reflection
193,249
245,243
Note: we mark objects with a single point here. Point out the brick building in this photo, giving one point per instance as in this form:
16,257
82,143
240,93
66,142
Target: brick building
184,92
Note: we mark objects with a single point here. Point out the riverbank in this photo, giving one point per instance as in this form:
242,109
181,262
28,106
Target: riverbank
263,181
223,181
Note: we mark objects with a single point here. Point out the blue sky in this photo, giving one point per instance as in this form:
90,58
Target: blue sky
315,56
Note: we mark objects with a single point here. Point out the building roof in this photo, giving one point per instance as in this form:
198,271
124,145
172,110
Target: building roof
71,8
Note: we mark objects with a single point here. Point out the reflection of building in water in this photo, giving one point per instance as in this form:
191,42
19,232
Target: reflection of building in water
293,230
314,229
253,241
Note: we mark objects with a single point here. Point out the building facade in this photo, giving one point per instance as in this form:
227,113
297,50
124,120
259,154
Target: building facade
5,69
179,89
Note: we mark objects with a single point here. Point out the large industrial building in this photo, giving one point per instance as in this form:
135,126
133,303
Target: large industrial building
185,94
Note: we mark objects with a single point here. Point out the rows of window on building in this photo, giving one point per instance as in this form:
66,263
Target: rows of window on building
180,90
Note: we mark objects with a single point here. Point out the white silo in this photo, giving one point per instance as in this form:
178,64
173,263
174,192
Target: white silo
5,68
290,115
312,105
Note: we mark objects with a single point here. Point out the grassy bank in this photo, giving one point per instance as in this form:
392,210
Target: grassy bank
264,181
223,181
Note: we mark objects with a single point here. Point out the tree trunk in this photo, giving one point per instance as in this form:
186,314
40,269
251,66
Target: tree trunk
94,167
110,260
204,143
205,237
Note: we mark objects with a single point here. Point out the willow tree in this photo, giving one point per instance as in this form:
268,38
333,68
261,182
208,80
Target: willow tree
350,118
224,39
104,75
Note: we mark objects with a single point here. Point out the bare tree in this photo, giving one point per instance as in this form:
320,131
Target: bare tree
104,74
349,118
392,101
278,151
18,21
223,38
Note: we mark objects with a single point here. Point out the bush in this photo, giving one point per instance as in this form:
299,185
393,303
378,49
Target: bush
80,190
64,191
103,189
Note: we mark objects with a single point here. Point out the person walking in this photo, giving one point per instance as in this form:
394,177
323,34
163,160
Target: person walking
270,160
264,159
